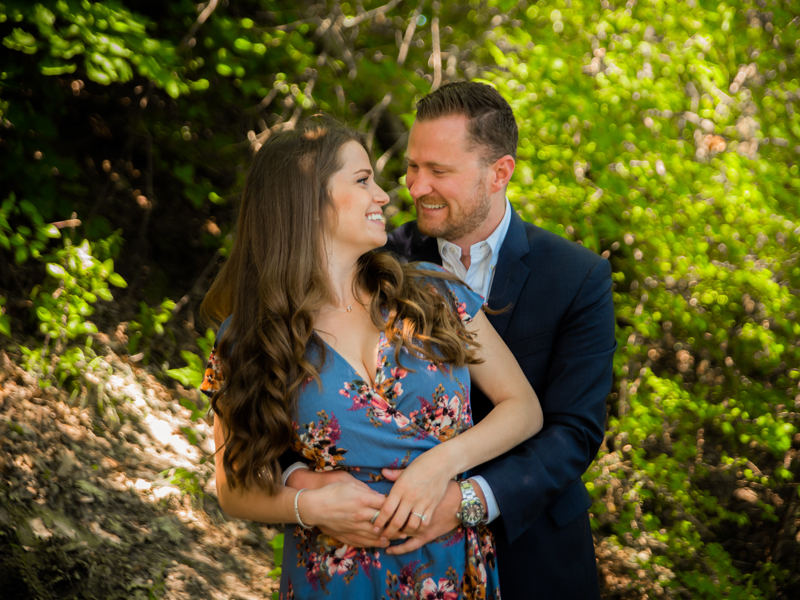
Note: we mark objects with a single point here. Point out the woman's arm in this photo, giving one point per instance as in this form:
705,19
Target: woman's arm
350,503
517,415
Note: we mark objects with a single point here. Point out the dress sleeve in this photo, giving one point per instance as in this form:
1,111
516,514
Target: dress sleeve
212,379
464,301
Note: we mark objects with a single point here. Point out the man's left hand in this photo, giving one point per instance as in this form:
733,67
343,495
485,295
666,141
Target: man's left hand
442,521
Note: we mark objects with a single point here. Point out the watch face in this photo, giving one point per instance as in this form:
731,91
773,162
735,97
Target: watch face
472,513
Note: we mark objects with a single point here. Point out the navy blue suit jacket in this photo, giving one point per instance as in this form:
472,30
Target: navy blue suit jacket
560,327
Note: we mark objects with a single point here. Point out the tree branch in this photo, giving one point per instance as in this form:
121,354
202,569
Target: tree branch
353,21
201,18
437,54
412,26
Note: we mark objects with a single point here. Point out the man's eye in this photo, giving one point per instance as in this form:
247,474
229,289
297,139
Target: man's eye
412,167
439,172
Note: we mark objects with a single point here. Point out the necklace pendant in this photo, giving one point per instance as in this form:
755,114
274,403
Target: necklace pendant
349,308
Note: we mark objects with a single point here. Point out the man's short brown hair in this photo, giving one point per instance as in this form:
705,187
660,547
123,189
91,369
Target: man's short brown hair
490,120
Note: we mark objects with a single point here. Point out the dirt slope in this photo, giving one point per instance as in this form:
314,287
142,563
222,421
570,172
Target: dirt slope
86,513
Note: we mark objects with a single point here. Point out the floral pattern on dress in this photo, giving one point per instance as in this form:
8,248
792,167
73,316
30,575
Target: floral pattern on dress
323,558
381,407
289,595
212,378
446,416
413,583
460,307
318,443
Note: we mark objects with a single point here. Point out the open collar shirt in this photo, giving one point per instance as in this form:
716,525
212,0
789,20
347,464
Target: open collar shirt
483,257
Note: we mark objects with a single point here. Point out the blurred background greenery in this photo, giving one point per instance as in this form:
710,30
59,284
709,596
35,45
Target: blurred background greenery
661,134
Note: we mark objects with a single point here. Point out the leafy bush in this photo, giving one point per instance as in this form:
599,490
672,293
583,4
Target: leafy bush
667,141
76,276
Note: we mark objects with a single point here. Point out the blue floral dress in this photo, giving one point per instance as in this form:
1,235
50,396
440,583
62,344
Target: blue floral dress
351,425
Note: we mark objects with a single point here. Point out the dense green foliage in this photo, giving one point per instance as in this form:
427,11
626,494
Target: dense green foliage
668,141
661,134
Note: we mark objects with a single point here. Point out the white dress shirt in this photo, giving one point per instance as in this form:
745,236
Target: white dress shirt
483,257
479,276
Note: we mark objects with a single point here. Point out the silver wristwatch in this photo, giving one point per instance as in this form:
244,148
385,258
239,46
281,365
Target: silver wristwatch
472,509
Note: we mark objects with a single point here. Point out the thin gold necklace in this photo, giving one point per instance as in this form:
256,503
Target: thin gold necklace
344,310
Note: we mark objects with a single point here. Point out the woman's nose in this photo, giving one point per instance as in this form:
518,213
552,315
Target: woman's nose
381,197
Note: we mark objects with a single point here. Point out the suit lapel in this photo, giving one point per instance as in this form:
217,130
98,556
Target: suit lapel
510,274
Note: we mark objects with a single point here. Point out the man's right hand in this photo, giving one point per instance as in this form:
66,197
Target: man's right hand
313,480
348,520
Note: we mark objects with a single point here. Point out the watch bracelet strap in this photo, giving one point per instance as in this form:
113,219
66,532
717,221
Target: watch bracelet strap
467,494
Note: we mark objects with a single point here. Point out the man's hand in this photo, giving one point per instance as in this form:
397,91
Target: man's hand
313,480
442,521
353,528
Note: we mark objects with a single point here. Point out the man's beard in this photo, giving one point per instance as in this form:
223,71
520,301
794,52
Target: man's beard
465,223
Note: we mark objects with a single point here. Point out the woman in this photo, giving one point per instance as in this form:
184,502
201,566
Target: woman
356,362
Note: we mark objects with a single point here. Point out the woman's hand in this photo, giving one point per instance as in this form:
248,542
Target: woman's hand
343,510
416,494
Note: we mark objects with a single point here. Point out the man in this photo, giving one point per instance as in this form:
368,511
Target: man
558,321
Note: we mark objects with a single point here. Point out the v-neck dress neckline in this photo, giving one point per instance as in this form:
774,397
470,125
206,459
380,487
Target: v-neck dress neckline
376,369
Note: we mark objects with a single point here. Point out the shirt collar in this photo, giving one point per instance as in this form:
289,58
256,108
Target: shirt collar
495,240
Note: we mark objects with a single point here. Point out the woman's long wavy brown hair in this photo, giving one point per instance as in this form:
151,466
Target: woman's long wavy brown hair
276,280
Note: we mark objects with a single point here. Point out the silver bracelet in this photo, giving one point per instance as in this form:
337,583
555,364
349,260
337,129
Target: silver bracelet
297,510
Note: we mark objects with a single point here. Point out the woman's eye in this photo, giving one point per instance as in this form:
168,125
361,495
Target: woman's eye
363,180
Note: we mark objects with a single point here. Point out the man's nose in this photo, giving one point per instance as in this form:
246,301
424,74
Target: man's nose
418,185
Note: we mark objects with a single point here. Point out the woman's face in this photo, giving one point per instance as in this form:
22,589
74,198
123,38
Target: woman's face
358,224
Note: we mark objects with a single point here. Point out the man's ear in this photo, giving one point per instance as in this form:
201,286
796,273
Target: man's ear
502,170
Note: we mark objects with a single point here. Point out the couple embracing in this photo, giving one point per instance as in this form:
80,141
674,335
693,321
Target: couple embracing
420,425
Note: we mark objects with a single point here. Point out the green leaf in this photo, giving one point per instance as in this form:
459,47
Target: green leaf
55,270
117,280
104,293
187,376
50,231
185,173
21,255
277,550
172,89
44,315
5,325
21,41
51,67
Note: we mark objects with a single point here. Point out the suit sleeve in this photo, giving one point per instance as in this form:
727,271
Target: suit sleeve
525,480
